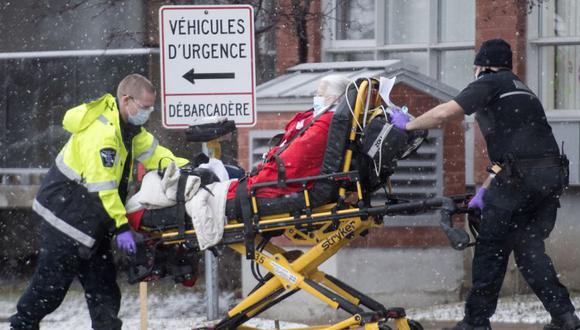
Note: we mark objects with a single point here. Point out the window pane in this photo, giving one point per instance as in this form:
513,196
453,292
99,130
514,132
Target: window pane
560,18
418,59
355,20
69,25
566,80
407,21
457,20
354,57
36,101
457,68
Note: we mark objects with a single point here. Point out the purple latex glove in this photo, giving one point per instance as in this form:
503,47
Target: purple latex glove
399,119
477,200
126,242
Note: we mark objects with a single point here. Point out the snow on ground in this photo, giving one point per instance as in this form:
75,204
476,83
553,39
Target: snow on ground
180,308
169,307
519,309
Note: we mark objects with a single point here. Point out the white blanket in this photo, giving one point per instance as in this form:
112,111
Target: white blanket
207,210
157,193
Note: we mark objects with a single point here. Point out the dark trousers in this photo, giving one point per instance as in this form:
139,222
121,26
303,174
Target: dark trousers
58,264
517,217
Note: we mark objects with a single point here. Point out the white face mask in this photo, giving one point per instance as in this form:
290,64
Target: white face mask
318,104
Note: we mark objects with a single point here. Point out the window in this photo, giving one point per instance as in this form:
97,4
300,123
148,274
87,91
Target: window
456,21
349,25
259,145
32,109
435,36
53,60
554,53
407,21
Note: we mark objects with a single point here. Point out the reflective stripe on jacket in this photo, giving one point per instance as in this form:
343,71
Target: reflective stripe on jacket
93,159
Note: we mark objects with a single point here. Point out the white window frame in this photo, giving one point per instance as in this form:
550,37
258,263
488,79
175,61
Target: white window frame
378,48
536,63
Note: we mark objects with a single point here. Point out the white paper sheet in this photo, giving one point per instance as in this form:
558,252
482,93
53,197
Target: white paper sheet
385,88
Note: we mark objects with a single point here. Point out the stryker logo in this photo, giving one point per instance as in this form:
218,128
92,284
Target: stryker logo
339,236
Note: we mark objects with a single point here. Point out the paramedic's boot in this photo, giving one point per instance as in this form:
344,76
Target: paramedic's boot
567,321
462,325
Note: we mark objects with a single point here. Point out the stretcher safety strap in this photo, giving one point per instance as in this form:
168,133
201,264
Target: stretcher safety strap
62,225
180,199
243,199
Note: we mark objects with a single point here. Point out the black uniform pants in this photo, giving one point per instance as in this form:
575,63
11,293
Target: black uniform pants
58,264
517,217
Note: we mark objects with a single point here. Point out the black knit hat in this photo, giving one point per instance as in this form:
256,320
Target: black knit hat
494,52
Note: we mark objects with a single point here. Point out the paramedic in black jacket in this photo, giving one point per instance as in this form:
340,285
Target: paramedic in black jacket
520,198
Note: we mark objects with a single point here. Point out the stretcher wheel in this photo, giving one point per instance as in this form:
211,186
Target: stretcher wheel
414,325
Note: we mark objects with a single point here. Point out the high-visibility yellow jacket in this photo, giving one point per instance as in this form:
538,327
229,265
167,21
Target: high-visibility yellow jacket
79,195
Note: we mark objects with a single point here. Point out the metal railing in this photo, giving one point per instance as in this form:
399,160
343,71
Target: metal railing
22,176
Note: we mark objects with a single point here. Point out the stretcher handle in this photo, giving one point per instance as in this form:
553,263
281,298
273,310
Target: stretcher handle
458,237
415,207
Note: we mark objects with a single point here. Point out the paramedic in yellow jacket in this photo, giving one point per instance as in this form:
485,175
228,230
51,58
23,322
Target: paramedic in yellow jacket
82,202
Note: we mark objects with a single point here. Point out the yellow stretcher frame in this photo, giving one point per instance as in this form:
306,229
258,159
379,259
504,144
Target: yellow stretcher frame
328,229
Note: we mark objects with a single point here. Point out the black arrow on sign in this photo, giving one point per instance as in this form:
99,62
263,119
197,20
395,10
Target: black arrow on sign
191,76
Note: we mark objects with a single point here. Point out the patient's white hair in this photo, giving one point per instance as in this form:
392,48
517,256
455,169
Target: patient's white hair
335,84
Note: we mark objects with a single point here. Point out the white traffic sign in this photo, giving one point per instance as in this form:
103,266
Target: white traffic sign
207,64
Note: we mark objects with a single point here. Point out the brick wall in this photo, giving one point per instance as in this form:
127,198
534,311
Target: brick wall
287,41
506,19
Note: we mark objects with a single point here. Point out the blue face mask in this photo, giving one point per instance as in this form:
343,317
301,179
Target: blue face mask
318,104
141,117
142,114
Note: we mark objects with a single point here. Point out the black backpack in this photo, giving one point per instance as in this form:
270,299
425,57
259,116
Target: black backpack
379,148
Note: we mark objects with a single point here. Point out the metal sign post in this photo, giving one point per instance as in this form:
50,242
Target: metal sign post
211,283
211,149
207,64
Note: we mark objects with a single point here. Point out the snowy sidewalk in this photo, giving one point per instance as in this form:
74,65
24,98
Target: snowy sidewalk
177,307
170,306
519,310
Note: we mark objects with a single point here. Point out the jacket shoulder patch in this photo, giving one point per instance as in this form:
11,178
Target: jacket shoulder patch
108,157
